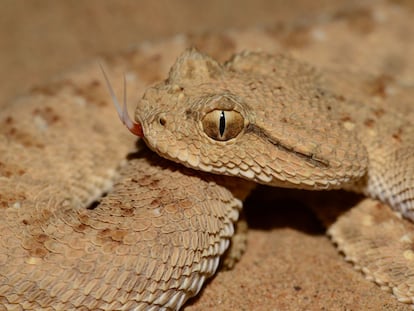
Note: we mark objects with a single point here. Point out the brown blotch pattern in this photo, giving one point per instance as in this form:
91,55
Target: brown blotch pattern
9,170
47,114
52,88
7,199
93,92
369,123
378,86
346,118
21,136
379,112
398,135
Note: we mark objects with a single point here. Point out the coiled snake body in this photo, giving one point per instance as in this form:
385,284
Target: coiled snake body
158,234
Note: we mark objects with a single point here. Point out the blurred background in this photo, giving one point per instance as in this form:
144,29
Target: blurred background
40,38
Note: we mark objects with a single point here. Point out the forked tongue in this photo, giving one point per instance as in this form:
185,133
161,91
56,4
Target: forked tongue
134,127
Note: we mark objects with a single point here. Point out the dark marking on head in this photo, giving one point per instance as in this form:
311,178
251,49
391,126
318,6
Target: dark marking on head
162,121
311,158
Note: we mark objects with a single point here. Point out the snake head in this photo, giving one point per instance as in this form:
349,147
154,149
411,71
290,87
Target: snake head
258,117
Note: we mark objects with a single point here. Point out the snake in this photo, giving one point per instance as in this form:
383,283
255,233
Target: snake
96,220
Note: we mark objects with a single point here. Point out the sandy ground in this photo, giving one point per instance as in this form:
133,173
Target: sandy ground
289,263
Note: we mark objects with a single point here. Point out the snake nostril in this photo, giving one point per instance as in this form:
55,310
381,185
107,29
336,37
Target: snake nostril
162,121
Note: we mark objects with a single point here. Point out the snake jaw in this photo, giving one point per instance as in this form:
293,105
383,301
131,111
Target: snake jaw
134,127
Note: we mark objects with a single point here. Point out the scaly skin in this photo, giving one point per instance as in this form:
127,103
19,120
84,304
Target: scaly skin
294,132
61,149
125,254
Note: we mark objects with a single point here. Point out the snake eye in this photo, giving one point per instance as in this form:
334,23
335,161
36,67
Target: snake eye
222,124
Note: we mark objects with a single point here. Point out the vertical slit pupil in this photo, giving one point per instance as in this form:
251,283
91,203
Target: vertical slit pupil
222,125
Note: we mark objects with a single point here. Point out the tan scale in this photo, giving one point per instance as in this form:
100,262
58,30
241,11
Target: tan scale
158,234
